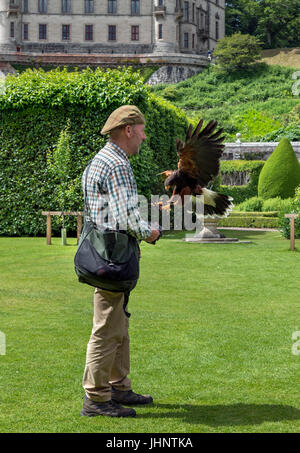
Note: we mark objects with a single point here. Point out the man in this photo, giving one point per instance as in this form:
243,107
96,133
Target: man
112,200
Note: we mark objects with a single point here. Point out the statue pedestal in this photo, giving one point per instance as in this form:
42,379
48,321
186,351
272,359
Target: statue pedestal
209,234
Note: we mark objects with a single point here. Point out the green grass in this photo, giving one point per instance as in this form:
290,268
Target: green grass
211,337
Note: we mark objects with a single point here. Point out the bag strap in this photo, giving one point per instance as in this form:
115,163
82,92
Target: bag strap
86,209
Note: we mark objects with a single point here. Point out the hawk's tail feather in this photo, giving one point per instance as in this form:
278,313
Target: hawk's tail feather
216,204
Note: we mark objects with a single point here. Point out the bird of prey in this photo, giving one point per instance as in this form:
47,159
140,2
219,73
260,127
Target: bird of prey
199,162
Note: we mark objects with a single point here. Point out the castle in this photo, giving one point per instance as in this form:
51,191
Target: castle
111,26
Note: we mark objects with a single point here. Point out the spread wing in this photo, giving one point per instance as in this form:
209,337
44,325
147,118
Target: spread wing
199,156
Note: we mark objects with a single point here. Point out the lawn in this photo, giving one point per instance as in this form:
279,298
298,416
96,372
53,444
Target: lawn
211,337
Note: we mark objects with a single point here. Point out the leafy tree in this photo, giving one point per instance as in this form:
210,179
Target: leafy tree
237,51
275,22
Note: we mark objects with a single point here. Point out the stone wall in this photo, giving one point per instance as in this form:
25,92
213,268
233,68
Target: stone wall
254,150
172,74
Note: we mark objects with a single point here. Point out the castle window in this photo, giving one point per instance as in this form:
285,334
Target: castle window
65,32
65,6
186,40
25,32
202,21
89,6
135,33
89,32
160,31
25,6
217,29
193,13
193,41
112,32
135,7
160,2
42,31
112,7
42,6
12,29
186,11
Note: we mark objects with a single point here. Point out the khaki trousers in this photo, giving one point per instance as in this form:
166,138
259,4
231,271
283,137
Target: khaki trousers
107,358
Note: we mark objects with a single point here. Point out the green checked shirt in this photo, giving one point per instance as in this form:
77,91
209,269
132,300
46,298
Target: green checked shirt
112,198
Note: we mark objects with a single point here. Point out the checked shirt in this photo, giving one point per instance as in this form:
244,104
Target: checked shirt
112,197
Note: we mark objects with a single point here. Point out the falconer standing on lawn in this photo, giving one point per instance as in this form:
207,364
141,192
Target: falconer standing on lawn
105,378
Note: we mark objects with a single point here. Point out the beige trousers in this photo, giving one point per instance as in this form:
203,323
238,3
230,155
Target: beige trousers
107,358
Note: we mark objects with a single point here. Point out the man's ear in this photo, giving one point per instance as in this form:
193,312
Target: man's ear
128,131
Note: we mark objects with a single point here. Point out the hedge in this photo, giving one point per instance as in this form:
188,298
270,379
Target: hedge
36,106
241,193
250,222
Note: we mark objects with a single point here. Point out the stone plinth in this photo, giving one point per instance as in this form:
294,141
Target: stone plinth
209,234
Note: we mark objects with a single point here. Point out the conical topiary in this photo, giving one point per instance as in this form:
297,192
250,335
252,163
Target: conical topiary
281,173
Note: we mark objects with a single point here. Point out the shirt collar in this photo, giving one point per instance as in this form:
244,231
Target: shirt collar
118,150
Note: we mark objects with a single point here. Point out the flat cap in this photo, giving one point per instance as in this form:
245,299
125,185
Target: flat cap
127,114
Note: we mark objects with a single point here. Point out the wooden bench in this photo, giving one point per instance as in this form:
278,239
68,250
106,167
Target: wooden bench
292,218
60,213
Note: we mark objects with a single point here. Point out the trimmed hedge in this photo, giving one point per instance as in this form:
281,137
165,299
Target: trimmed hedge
34,109
254,214
250,222
241,193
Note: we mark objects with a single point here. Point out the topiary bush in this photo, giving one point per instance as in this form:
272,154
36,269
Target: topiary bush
281,173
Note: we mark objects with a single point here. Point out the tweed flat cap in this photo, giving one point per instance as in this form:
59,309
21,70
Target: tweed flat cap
127,114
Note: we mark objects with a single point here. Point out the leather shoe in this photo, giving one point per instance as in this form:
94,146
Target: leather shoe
109,408
129,397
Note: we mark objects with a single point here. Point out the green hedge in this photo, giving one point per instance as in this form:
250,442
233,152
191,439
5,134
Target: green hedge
35,108
254,214
241,193
250,222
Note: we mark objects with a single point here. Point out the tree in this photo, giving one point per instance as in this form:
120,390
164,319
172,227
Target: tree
275,22
59,168
237,51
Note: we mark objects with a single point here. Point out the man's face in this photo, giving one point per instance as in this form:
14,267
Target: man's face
137,138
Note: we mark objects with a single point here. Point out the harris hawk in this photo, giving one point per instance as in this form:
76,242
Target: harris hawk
199,162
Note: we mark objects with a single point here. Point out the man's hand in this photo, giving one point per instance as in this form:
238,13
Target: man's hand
153,236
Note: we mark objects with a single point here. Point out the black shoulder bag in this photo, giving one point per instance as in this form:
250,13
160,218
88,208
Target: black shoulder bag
106,259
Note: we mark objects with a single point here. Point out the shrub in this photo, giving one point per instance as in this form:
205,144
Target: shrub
252,204
237,51
280,174
293,207
277,204
254,214
250,222
241,193
292,133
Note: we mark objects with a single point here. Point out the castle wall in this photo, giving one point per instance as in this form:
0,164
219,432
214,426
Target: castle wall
162,28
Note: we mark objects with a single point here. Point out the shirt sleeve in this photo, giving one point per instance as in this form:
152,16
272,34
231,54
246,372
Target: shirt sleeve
123,203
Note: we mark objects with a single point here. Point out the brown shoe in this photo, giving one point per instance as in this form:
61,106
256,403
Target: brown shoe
108,408
129,397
